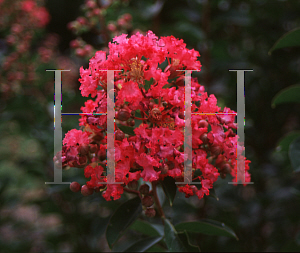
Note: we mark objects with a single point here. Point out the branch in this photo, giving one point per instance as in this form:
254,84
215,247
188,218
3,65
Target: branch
156,201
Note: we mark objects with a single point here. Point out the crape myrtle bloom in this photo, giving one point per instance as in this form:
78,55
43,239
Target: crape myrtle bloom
149,97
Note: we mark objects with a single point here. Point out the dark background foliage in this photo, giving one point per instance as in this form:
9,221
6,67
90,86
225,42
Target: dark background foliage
229,35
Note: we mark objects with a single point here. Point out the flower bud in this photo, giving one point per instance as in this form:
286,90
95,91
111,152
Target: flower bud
74,44
144,189
216,150
210,159
111,27
203,123
84,149
81,20
133,185
226,168
82,160
151,104
102,155
150,212
96,137
93,148
127,17
223,175
91,4
75,187
147,201
119,135
204,138
123,115
80,52
97,11
88,49
131,123
86,191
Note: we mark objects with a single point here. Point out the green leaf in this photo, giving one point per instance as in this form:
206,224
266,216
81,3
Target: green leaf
126,129
212,193
148,84
208,227
290,39
143,244
138,114
147,228
122,218
156,248
284,142
184,237
294,154
173,242
290,94
169,188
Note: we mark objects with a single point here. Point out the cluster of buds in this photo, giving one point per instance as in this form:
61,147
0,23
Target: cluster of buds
82,49
93,12
20,21
147,200
122,25
150,101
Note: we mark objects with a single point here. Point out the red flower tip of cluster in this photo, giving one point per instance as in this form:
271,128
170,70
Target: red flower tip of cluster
154,95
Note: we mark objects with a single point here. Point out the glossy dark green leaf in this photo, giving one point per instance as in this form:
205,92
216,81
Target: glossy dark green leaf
173,242
146,228
290,94
208,227
169,188
126,129
290,39
122,218
144,244
294,154
284,143
184,237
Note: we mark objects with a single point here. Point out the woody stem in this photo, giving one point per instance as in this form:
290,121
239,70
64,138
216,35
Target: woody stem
157,202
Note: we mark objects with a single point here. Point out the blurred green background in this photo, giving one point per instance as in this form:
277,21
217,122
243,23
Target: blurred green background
229,34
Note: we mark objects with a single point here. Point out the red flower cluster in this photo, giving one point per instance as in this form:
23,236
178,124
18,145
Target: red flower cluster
20,22
149,98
